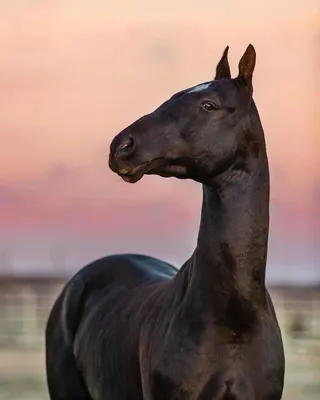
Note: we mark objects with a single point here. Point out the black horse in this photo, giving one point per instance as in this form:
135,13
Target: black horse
132,327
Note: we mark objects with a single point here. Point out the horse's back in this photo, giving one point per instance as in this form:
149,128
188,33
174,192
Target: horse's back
91,316
125,269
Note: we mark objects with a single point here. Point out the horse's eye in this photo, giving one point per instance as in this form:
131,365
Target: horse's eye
208,106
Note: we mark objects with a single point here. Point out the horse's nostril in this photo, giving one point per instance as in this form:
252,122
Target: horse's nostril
123,147
127,146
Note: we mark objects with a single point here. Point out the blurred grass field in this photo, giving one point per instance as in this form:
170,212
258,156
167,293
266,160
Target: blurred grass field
22,371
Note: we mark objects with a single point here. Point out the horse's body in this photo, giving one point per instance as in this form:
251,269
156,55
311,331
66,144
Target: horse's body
130,307
132,327
111,291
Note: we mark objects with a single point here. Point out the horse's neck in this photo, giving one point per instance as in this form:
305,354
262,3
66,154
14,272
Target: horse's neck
232,242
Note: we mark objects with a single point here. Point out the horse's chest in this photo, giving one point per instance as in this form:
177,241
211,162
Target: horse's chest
216,369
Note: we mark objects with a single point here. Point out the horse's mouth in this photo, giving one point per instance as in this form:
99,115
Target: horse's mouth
131,178
135,174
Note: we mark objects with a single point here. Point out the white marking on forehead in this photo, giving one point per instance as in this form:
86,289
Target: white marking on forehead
199,88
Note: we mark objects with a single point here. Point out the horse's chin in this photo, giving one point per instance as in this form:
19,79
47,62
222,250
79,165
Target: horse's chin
170,171
132,178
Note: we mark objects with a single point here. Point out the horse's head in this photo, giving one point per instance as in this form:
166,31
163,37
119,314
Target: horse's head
198,133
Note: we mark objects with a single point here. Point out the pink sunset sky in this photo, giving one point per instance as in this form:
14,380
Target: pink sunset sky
74,73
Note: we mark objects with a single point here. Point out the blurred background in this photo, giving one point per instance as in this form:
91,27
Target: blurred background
73,73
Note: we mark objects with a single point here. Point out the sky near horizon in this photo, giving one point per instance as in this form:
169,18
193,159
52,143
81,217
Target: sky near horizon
74,73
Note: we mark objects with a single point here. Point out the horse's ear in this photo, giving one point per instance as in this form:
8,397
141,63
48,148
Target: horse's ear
223,69
246,65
